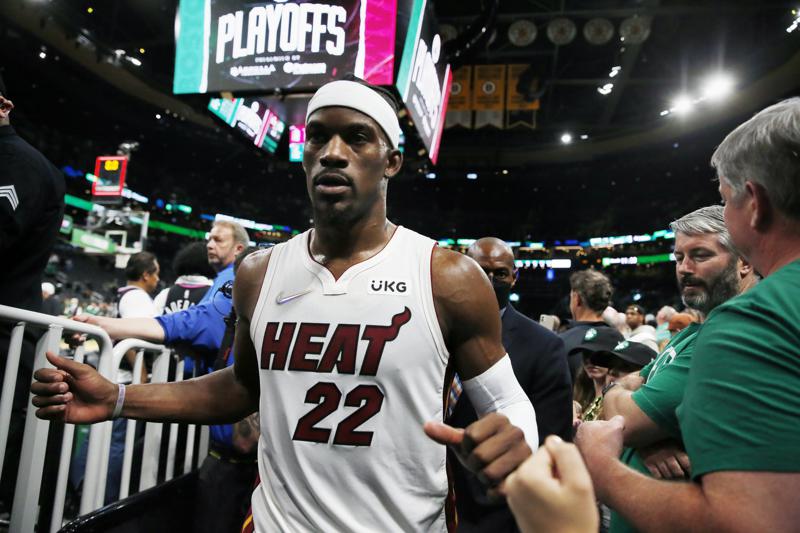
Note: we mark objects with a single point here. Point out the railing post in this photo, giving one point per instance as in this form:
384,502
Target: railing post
25,511
153,430
63,463
94,455
9,386
130,434
173,430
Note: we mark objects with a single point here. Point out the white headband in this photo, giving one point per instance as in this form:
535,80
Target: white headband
356,96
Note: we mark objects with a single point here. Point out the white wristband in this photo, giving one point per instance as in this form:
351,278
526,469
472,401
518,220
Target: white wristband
120,402
497,389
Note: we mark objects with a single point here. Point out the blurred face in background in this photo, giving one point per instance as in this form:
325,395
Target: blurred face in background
222,247
151,278
633,317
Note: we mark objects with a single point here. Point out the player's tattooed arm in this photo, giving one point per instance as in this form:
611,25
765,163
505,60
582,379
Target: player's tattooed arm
246,433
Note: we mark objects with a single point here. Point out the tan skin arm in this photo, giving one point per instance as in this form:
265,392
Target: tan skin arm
470,322
467,310
725,501
147,329
640,430
76,393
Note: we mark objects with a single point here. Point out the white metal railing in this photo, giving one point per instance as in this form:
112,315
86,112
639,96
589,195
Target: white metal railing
31,463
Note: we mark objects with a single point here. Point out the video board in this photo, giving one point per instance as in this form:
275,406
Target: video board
233,45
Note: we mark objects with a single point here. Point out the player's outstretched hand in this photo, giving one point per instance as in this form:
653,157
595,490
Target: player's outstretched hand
72,392
552,492
491,447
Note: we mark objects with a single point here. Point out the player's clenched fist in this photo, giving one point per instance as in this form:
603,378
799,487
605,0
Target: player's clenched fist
491,448
552,491
72,392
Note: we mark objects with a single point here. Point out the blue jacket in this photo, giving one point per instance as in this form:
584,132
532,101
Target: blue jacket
203,326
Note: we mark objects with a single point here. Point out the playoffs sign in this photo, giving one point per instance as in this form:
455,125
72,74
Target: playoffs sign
232,45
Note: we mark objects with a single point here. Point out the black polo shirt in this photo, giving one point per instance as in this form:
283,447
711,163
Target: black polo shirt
31,209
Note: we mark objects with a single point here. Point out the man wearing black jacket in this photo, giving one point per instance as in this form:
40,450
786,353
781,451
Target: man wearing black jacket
31,210
540,365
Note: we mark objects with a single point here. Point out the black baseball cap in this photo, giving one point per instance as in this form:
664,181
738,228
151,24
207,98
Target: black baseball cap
636,353
598,339
3,91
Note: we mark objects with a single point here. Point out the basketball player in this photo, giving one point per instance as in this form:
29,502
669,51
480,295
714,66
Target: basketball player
347,339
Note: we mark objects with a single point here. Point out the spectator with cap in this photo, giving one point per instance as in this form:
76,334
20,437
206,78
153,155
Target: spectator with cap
592,377
589,296
31,209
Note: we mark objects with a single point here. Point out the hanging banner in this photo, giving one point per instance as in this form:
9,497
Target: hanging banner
459,112
488,95
461,92
515,99
235,45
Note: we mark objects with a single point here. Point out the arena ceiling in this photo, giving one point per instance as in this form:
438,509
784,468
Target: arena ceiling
80,100
687,41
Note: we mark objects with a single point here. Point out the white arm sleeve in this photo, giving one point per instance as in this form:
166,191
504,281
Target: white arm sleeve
497,389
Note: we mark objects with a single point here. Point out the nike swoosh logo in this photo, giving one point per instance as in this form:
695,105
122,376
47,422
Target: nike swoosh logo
281,299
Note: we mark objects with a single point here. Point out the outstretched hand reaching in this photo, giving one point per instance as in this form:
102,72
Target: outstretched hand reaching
72,392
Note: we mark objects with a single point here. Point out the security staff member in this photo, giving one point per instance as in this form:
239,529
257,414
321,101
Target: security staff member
31,210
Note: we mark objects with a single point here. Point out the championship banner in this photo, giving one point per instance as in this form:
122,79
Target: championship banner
461,92
424,78
515,100
233,45
459,112
488,95
520,111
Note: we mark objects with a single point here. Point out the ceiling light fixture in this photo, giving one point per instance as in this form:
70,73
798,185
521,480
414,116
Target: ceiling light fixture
606,89
717,86
682,105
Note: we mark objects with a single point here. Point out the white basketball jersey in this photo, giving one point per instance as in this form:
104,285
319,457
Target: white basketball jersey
350,369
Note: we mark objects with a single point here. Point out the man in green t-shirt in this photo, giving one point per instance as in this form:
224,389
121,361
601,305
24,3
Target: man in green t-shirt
739,414
709,272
